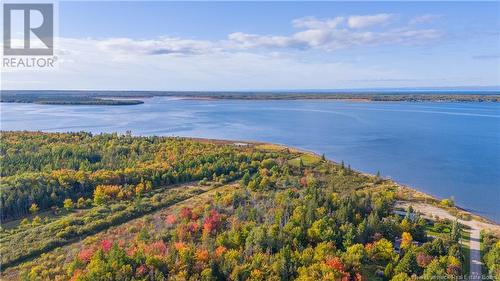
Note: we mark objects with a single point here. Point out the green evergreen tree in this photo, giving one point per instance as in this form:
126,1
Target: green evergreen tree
455,232
408,264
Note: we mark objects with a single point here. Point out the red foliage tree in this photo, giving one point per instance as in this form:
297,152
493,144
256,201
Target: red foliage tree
76,274
212,222
219,251
335,263
179,246
86,254
121,243
141,270
106,245
157,248
170,219
131,251
202,255
423,259
186,213
193,227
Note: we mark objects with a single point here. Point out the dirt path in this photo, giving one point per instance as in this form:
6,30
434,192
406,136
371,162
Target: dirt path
475,254
431,212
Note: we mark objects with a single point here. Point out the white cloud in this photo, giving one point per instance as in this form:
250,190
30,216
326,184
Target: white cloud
369,20
244,40
427,18
156,46
240,61
85,68
338,33
312,22
328,34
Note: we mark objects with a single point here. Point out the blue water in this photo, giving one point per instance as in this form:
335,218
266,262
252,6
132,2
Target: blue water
444,149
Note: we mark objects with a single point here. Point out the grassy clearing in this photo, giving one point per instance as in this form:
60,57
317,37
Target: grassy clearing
307,160
438,229
271,147
13,224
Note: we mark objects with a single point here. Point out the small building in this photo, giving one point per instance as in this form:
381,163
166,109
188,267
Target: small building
403,214
240,144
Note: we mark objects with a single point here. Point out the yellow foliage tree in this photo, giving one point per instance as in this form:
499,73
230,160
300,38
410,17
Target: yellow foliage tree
68,204
34,208
406,240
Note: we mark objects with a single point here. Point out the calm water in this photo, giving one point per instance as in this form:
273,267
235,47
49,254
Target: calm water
445,149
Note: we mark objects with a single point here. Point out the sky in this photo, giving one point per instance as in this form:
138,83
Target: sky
219,46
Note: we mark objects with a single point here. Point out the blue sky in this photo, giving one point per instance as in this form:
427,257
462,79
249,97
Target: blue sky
277,45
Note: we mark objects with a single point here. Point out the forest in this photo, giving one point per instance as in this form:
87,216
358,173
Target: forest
78,206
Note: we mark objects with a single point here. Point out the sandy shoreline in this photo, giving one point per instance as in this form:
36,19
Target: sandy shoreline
415,195
422,197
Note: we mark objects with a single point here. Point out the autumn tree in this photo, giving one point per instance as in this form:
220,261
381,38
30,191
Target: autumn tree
81,203
406,240
34,208
68,204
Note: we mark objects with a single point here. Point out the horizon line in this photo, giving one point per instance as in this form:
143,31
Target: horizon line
324,90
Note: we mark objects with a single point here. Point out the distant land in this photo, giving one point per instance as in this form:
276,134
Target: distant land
63,98
76,97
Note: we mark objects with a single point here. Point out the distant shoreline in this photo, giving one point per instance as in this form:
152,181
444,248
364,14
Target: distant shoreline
134,97
79,101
